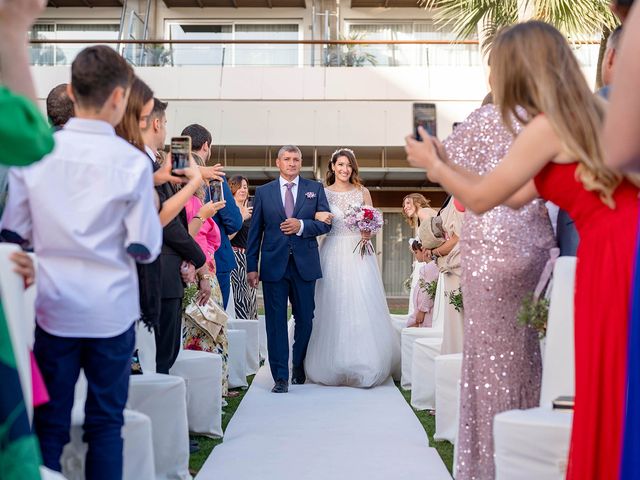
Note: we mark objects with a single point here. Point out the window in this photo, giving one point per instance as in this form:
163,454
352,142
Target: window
231,54
411,55
61,54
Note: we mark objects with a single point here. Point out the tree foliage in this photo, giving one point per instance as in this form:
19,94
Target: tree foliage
572,17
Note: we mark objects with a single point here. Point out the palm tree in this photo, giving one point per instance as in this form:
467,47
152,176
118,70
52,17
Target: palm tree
572,17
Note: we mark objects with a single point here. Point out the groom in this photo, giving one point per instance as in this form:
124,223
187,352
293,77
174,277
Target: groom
283,231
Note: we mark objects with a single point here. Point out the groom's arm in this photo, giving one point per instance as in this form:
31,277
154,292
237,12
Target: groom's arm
315,228
256,232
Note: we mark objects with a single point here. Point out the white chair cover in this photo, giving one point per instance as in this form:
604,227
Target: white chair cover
237,358
13,303
534,443
423,373
252,327
262,336
138,449
448,371
558,377
231,306
409,335
163,398
202,373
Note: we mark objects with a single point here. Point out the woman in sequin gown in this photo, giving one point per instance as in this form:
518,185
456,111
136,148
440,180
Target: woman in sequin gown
503,253
558,156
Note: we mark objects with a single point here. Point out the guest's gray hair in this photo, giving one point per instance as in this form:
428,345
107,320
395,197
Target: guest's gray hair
289,149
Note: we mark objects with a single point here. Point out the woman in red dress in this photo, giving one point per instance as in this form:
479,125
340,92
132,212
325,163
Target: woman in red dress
558,156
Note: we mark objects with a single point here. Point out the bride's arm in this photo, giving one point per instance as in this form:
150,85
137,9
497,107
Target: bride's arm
367,197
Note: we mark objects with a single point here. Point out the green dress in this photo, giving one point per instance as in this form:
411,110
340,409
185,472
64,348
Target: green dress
25,137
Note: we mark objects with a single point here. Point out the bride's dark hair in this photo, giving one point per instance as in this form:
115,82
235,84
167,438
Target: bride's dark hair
330,177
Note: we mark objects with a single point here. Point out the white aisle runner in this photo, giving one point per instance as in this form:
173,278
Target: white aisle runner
318,433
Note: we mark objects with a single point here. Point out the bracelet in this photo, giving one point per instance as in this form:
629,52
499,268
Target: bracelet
206,276
198,217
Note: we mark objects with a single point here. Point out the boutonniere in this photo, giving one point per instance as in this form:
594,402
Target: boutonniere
310,195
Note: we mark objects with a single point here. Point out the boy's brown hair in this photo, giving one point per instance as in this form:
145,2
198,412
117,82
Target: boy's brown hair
95,73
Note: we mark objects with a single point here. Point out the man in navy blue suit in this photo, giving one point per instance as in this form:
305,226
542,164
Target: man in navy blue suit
283,233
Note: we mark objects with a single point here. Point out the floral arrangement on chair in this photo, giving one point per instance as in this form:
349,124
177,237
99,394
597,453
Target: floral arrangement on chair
455,299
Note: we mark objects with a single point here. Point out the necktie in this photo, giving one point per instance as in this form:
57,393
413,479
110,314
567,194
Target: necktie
288,200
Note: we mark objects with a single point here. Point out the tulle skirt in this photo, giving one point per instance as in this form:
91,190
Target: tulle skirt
353,342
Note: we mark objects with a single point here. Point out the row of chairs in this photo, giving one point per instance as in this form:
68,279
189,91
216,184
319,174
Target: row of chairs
529,444
162,409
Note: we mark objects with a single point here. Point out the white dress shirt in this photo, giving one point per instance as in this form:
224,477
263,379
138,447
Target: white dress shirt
82,207
294,192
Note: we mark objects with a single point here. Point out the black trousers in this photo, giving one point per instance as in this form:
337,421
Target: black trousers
168,334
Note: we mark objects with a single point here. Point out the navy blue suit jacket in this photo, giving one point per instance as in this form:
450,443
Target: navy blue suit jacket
266,238
229,221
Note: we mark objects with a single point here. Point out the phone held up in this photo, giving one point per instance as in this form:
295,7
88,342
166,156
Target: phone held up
180,151
424,115
250,201
215,191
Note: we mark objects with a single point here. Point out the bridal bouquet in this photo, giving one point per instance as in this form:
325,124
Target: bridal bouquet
363,218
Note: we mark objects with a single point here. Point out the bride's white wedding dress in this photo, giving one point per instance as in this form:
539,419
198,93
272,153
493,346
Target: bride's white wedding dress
352,342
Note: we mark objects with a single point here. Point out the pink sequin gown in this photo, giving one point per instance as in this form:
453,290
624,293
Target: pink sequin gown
503,253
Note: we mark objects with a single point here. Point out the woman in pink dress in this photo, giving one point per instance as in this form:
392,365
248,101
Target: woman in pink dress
206,232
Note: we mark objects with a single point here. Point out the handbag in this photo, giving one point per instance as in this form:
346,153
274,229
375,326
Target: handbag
209,317
431,235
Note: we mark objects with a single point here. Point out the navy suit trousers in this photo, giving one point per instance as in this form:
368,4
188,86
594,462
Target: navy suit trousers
301,295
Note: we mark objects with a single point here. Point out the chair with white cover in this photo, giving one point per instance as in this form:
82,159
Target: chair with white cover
237,358
448,372
155,394
138,449
262,336
423,373
202,373
411,334
13,304
534,443
252,327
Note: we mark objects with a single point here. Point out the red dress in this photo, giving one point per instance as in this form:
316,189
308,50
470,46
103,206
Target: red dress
602,301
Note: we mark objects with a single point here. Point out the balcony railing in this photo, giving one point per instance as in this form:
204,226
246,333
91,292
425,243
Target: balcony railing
285,53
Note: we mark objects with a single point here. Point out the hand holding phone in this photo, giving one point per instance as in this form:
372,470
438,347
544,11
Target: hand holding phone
424,115
216,192
180,153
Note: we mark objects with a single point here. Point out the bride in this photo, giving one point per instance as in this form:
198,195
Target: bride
353,342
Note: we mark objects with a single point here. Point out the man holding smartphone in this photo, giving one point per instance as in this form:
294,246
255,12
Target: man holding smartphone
228,219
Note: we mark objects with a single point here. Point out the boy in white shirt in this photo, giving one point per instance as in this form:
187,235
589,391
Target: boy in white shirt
88,211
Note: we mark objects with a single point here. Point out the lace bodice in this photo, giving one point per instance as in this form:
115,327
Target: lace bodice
339,203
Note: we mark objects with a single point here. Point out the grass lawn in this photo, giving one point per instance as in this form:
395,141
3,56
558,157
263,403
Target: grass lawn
428,422
208,444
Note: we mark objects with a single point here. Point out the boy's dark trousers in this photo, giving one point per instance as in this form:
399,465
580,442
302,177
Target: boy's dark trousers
107,365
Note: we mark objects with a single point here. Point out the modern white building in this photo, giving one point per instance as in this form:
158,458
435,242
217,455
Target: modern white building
257,97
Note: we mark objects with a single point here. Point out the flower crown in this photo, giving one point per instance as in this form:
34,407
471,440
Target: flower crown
343,150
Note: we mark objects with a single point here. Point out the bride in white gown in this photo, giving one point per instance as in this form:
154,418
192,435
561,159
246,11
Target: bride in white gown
352,342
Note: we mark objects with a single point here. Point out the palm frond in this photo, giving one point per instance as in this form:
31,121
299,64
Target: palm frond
572,17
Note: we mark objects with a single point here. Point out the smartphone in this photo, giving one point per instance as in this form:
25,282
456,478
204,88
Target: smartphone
180,151
215,191
424,115
250,201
